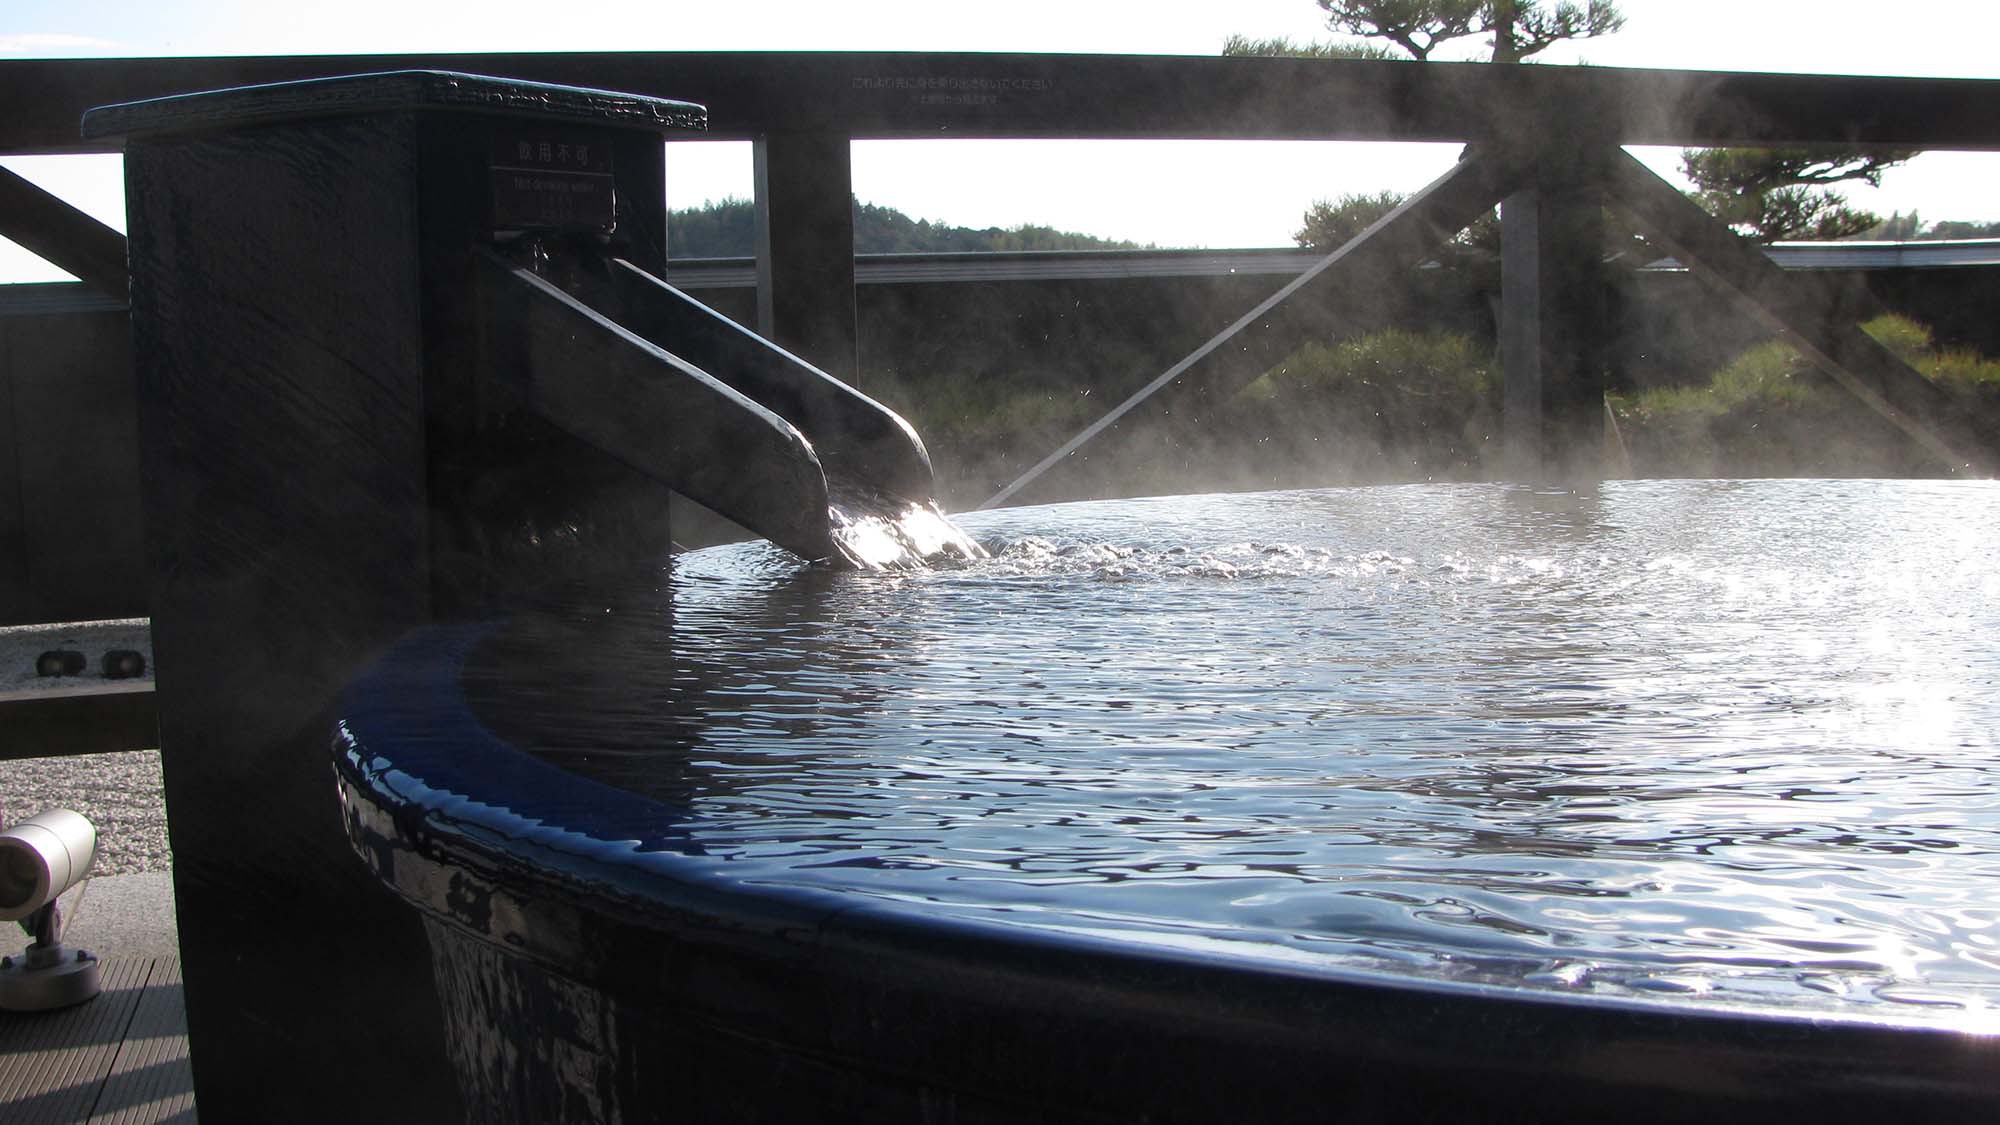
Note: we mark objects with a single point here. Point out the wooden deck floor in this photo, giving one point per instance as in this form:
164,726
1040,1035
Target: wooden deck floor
121,1058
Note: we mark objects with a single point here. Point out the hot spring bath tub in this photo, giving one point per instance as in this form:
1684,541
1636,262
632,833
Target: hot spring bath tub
1661,801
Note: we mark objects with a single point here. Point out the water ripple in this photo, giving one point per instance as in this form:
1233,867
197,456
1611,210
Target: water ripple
1717,740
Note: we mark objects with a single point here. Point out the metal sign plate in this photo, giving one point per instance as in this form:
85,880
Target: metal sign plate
551,181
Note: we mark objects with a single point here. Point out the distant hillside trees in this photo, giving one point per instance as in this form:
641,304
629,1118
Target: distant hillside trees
1899,227
1954,229
713,230
729,230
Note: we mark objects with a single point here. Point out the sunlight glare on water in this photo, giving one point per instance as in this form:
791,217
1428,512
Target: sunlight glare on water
1715,740
898,536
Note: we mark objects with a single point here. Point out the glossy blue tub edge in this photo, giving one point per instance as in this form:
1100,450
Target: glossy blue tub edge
572,875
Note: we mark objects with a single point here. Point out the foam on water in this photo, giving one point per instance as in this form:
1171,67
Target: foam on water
1723,742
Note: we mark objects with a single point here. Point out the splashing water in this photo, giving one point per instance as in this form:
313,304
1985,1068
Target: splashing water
888,534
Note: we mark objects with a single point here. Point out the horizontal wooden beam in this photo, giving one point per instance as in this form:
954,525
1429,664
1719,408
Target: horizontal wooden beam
72,721
62,235
909,95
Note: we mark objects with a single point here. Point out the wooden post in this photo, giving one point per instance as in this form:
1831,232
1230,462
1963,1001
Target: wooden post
71,546
805,248
16,604
277,575
1521,359
328,463
1554,330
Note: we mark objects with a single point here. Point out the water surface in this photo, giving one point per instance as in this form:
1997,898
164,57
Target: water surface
1725,740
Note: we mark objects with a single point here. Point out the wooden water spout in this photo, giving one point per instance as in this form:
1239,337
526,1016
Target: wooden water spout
383,382
615,356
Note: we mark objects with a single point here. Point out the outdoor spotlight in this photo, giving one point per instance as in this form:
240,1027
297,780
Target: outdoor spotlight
40,858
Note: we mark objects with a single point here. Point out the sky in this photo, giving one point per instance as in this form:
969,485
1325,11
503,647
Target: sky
1212,194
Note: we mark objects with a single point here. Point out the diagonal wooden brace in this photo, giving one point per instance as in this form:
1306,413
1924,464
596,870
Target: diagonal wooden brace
1851,357
62,235
1235,357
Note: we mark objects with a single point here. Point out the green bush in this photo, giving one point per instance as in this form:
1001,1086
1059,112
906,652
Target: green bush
1964,372
1391,405
1912,342
1770,412
984,431
1968,376
1388,404
1404,405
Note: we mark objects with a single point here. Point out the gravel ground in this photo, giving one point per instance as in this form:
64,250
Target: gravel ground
119,793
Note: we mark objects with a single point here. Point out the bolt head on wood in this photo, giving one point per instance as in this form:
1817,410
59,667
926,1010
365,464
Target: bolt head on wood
59,662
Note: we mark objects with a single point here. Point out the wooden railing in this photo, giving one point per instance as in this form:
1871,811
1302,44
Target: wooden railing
1543,139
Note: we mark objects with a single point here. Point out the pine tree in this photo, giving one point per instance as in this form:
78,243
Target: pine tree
1516,29
1786,194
